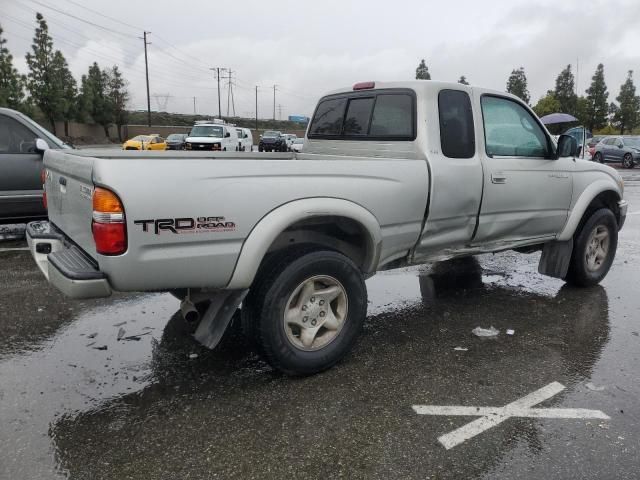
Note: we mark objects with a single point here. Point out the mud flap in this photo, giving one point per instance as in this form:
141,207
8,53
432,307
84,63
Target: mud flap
216,318
555,259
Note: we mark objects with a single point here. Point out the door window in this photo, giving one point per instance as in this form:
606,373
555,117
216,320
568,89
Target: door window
510,130
457,138
328,117
15,137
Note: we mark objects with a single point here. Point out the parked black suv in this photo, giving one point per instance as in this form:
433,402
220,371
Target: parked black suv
21,166
272,141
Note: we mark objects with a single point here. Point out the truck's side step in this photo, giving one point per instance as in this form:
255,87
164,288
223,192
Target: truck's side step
75,265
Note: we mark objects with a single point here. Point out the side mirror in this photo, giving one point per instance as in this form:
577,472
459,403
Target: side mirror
260,136
227,135
620,145
41,145
567,146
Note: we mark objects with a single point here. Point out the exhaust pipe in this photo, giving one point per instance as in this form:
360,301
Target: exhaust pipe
189,311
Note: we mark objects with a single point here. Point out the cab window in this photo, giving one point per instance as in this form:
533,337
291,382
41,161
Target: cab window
510,130
457,137
15,137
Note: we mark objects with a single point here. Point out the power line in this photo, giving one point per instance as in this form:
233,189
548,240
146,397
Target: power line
103,15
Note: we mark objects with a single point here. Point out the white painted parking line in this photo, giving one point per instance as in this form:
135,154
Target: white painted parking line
492,416
16,249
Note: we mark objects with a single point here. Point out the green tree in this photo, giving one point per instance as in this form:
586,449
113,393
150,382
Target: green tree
517,84
582,111
95,100
463,80
547,104
119,96
422,72
626,116
12,84
69,101
44,79
565,91
597,106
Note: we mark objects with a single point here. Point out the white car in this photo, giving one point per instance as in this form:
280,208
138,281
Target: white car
297,144
245,139
289,137
215,135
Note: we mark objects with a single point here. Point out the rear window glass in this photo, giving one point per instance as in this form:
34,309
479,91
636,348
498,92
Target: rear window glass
356,121
328,117
457,138
392,116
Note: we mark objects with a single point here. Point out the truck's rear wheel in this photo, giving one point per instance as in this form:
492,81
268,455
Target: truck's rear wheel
307,311
594,249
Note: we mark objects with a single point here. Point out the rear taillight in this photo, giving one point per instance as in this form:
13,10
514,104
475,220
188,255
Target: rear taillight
108,226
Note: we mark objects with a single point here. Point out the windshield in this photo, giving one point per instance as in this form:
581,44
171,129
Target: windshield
632,142
141,138
298,140
175,137
206,131
271,133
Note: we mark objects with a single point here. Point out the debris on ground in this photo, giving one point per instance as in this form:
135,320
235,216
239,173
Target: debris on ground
136,336
92,335
90,344
485,332
121,332
119,324
193,356
510,331
593,387
102,347
461,349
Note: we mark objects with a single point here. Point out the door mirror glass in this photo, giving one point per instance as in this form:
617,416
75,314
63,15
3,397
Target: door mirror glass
41,145
227,135
567,146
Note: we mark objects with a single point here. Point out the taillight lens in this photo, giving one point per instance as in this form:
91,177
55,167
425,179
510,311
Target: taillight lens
108,227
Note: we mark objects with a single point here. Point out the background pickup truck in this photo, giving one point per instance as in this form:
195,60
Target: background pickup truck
21,166
393,174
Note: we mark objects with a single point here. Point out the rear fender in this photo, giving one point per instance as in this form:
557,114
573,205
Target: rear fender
275,222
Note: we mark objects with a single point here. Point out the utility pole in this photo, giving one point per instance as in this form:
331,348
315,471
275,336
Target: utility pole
146,67
274,101
217,70
229,91
256,108
194,105
279,112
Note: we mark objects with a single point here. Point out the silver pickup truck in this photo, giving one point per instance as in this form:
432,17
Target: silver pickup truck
391,174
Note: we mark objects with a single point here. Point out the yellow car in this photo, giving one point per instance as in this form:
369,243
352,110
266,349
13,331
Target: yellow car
145,142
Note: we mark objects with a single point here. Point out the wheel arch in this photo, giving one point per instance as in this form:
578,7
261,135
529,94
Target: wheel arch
332,223
601,194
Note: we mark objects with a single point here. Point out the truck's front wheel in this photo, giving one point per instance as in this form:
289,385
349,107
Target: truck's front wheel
307,311
594,249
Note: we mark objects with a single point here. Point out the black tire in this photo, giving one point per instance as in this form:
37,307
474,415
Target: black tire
260,148
597,157
579,273
627,161
264,308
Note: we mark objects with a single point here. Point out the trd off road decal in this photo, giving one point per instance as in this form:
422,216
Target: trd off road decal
186,225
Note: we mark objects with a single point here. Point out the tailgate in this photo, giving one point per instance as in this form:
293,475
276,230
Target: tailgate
69,187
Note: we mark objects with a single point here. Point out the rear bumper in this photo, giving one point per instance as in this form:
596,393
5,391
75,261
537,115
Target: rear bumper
65,266
622,206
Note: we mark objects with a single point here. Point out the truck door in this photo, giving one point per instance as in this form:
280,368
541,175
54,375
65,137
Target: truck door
20,167
455,188
526,192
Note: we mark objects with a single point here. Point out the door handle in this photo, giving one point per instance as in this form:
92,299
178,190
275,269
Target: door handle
498,178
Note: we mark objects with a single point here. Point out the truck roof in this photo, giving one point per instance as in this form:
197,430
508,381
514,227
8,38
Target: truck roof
420,86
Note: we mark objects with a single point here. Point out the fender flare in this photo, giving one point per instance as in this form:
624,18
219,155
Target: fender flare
583,202
275,222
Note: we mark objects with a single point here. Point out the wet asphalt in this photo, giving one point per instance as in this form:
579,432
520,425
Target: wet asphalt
76,402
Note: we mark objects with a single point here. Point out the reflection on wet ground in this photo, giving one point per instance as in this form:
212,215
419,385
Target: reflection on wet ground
157,405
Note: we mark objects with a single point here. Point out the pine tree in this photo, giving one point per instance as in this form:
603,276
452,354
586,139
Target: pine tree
119,96
547,104
565,91
517,84
627,116
11,82
44,80
598,106
69,89
422,72
95,97
463,80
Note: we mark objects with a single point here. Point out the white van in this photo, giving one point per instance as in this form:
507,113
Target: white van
245,139
212,135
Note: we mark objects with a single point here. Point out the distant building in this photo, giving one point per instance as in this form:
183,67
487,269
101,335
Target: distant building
298,119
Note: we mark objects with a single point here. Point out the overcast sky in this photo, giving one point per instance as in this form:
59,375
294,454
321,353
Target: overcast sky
308,48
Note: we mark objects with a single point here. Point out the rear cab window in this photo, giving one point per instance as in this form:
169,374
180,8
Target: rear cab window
385,114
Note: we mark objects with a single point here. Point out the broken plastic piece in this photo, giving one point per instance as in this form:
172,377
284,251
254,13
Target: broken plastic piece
121,332
461,349
485,332
591,386
193,355
510,331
